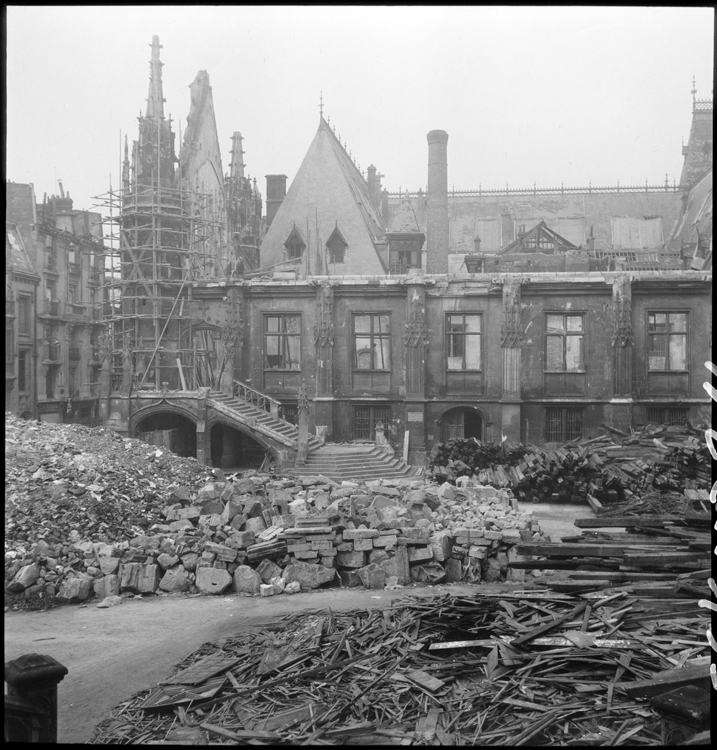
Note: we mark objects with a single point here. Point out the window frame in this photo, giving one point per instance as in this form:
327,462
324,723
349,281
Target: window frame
565,435
24,315
667,335
282,336
294,240
669,412
564,337
372,409
24,374
372,336
464,334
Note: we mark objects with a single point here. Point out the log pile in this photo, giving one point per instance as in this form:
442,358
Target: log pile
535,668
615,467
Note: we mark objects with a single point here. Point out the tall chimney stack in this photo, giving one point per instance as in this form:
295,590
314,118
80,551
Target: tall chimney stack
437,203
275,194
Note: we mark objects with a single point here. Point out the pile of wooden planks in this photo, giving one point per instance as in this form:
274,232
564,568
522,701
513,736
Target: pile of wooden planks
527,667
651,547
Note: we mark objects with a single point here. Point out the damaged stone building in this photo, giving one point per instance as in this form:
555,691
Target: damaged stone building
351,314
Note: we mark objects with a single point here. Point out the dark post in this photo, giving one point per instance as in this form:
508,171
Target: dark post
32,681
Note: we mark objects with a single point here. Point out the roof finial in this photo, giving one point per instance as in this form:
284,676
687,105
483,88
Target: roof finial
321,103
694,88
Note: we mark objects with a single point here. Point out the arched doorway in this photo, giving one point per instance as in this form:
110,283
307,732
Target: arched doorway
169,430
234,450
461,422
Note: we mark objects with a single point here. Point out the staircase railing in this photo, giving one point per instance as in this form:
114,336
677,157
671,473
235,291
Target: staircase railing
256,398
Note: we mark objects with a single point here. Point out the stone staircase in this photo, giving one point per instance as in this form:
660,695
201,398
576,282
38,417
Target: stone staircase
358,461
258,419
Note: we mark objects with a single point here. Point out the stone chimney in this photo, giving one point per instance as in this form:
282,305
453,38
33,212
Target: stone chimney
275,194
437,203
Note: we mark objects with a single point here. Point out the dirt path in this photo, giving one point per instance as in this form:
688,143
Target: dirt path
111,654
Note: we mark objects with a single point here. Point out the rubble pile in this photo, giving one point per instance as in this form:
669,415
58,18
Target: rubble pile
252,534
613,468
520,668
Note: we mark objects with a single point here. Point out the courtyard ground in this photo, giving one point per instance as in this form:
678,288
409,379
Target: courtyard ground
111,654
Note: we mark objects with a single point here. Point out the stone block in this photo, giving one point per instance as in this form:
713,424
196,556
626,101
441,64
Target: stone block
502,559
454,572
345,547
189,513
109,565
268,570
266,589
352,534
372,576
243,539
239,521
447,491
175,579
223,553
386,540
178,526
106,586
308,554
148,579
441,544
398,566
491,570
493,535
232,509
246,580
165,560
253,508
212,580
308,575
419,554
189,560
74,590
212,507
351,559
27,576
477,553
292,588
255,524
363,545
377,555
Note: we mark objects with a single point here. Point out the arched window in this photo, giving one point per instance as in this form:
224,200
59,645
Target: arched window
336,245
294,244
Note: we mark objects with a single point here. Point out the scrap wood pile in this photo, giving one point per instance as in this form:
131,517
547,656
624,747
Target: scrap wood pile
89,513
654,548
608,469
491,669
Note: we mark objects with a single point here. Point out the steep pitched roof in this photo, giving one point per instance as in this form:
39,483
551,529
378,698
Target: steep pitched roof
328,191
540,239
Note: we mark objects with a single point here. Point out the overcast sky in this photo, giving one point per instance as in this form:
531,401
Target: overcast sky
527,95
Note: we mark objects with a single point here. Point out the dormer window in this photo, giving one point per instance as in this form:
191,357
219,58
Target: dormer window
336,245
295,245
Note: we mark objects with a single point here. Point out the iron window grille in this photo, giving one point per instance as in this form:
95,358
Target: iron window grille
463,342
563,423
366,418
669,415
564,343
667,341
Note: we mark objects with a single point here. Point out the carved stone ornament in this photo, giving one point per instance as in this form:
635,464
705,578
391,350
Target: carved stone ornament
303,405
324,327
622,324
416,332
511,332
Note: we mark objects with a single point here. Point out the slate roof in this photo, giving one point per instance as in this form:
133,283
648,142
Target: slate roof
695,224
328,191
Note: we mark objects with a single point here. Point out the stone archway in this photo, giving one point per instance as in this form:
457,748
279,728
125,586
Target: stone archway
461,422
232,448
171,427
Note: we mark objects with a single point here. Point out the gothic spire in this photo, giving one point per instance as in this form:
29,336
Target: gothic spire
155,100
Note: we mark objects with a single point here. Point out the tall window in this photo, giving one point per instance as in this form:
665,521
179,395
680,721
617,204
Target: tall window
282,342
564,344
463,342
23,315
9,340
563,423
667,341
372,342
294,244
336,246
